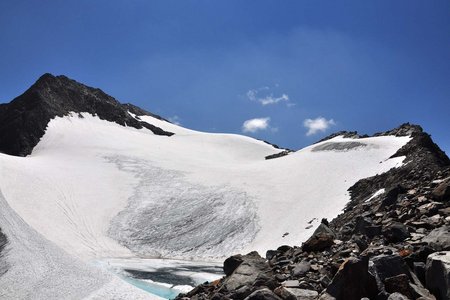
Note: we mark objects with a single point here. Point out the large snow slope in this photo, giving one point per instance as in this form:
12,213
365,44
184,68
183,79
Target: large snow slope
93,189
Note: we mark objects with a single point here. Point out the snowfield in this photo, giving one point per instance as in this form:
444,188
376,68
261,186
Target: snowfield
93,189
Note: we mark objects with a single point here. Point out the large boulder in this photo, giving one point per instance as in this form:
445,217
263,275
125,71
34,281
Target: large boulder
438,274
231,263
396,232
439,238
352,281
253,267
392,275
442,191
322,238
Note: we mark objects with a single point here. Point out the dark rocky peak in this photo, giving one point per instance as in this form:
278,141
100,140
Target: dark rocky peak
406,129
23,121
345,134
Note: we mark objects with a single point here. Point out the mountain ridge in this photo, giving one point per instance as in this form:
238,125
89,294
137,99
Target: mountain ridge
23,121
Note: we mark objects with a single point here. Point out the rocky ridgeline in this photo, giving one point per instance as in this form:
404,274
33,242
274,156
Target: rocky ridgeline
395,245
24,120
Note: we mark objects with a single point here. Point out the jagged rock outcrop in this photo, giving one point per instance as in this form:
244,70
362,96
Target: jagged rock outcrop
24,120
379,246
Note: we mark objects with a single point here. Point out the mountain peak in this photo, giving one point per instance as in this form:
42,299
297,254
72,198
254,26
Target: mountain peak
23,121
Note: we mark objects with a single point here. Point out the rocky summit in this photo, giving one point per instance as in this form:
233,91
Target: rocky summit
391,242
24,120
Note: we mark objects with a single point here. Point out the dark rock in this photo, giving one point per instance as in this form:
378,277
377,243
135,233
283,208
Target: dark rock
438,274
231,263
398,284
321,239
352,281
390,196
439,238
386,266
242,292
247,272
420,255
395,232
271,254
442,191
361,242
284,248
279,154
419,270
263,294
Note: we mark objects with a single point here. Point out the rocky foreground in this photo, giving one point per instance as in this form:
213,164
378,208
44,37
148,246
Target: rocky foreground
394,244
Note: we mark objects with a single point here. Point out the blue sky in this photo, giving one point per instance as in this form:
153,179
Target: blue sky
294,70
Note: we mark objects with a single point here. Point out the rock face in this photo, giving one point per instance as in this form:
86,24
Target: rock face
438,274
377,248
25,118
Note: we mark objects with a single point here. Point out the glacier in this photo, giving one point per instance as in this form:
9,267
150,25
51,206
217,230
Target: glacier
94,190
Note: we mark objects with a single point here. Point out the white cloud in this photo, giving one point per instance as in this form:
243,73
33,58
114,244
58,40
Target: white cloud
266,99
317,124
273,100
175,120
254,125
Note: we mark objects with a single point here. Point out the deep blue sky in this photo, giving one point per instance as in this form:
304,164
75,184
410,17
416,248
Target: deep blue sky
366,65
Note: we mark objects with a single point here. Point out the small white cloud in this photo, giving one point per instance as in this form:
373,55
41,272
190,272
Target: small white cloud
262,96
254,125
273,100
251,94
317,124
175,120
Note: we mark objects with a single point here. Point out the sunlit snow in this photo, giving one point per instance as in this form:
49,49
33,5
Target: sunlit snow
94,189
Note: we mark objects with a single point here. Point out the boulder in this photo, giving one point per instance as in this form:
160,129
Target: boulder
295,294
439,238
352,281
247,272
442,191
231,263
322,238
364,226
263,294
390,196
301,268
398,284
438,274
395,232
387,268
